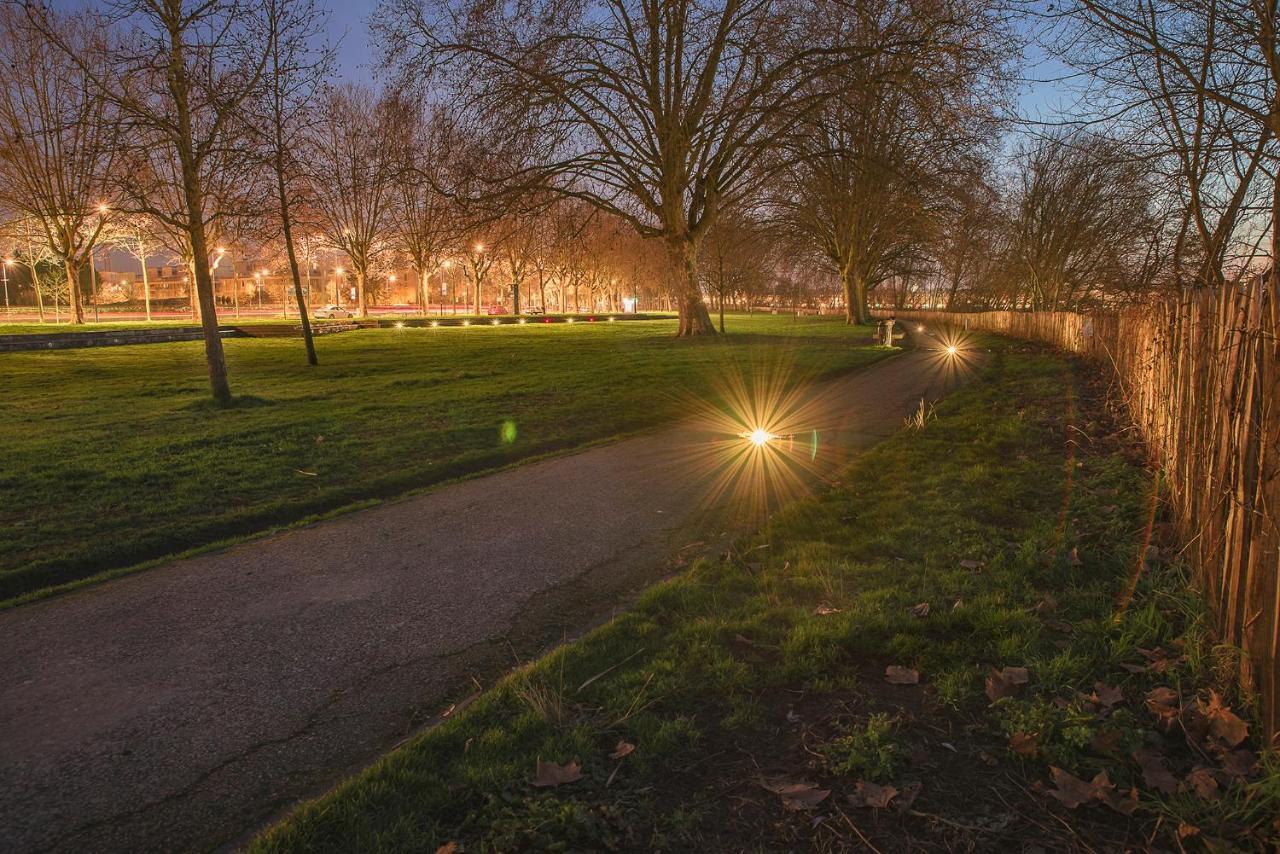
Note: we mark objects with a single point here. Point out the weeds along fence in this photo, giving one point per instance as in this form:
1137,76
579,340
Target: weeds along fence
1199,375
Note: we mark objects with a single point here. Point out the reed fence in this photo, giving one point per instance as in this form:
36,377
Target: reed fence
1199,375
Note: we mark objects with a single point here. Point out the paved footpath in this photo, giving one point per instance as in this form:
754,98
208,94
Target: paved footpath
182,707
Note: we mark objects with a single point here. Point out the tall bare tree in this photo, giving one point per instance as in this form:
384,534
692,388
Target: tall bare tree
178,75
354,158
297,68
426,214
658,111
61,139
136,235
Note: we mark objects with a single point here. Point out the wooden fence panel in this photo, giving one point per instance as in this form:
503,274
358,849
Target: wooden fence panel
1200,377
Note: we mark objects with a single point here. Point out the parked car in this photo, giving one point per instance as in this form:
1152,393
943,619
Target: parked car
496,309
334,311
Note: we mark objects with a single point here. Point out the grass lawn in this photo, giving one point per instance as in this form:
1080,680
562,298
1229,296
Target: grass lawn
114,456
766,700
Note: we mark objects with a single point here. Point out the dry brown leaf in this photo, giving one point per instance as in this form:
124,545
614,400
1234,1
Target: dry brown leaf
823,610
448,848
1072,791
1154,772
897,675
971,564
1006,682
1241,764
797,796
1105,742
1107,695
548,774
624,748
1073,558
1123,804
921,610
1224,724
907,796
1165,704
1023,744
1185,830
1046,605
1133,668
1203,783
871,795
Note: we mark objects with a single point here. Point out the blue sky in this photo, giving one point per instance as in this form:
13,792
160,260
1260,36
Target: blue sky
348,23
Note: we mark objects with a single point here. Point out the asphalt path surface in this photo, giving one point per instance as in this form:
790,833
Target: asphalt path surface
183,707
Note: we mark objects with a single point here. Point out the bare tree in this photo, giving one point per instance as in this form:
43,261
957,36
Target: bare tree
426,214
60,142
870,171
734,257
178,76
354,160
1199,83
1081,210
297,68
136,235
658,111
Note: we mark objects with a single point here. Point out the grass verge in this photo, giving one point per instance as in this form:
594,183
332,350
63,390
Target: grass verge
969,642
114,457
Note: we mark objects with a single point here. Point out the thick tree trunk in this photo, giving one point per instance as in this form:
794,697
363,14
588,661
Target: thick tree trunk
515,297
855,297
214,356
361,295
73,292
422,289
694,317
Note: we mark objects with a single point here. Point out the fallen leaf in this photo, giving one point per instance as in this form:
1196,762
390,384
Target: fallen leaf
1154,771
1203,783
1241,764
1123,804
798,796
1105,742
1073,557
1107,695
988,759
896,675
1133,668
871,795
908,796
1006,682
921,610
1072,791
792,717
624,748
1046,605
1060,626
1224,724
1023,744
548,774
971,564
824,610
448,848
1185,830
1165,704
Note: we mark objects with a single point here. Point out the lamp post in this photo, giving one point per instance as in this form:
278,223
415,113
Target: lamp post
337,285
4,272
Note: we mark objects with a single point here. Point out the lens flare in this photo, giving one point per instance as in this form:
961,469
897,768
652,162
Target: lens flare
759,437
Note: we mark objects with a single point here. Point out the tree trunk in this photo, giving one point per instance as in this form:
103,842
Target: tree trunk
35,284
360,293
214,356
146,287
422,289
855,297
515,297
286,221
73,296
694,317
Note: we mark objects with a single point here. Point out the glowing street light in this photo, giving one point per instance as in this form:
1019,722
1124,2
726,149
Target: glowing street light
759,437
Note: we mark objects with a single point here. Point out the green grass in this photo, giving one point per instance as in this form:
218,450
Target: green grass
1013,512
114,456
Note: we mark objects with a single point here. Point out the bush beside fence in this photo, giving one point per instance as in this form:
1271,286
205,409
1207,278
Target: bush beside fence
1199,375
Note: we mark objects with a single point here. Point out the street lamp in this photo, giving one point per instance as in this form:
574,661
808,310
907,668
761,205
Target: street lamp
337,299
